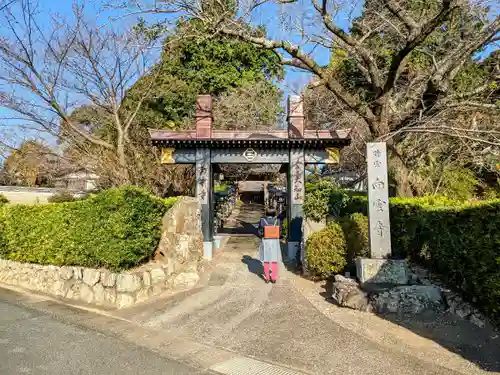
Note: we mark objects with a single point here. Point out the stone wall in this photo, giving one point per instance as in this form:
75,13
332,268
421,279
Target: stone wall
176,265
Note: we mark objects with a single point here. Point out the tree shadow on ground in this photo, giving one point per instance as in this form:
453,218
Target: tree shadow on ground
255,266
480,346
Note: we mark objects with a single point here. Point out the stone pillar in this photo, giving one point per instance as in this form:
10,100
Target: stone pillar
296,120
378,200
204,196
204,117
379,269
204,171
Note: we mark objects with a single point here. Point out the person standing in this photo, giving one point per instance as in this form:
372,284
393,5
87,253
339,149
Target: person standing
269,250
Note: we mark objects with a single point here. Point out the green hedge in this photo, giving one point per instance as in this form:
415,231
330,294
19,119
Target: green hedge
116,229
459,241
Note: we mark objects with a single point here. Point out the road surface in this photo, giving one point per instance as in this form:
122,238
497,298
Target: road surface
34,342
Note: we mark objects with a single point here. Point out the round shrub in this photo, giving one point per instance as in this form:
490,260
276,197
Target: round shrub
326,252
61,197
356,232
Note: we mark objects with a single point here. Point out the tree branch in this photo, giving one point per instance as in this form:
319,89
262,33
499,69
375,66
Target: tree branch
400,14
415,39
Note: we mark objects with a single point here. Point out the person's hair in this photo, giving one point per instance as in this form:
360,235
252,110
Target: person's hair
270,212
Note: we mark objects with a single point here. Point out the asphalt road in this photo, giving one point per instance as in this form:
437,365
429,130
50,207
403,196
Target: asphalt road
33,342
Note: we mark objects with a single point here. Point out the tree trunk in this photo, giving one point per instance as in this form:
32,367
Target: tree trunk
400,175
122,158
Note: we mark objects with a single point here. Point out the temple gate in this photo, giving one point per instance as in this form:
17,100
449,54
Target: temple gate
293,148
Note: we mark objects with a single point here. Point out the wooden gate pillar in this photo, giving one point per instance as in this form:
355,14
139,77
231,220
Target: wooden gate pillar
296,185
204,195
204,171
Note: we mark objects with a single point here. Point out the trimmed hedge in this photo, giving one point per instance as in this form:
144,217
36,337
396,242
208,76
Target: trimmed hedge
326,251
460,241
116,229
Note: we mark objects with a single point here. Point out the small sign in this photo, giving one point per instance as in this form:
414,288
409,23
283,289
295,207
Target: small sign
250,154
167,156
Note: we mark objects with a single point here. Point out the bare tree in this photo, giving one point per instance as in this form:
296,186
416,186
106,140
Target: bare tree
69,80
401,98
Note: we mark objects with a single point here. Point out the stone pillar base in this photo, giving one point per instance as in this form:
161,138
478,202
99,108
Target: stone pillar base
382,271
207,250
292,248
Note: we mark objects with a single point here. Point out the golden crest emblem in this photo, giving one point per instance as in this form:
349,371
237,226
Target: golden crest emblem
167,156
333,155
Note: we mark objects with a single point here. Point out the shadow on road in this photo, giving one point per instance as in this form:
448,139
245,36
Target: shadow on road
254,265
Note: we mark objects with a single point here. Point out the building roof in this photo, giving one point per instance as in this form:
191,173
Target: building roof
222,138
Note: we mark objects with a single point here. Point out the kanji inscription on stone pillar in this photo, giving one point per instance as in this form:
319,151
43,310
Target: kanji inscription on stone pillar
378,200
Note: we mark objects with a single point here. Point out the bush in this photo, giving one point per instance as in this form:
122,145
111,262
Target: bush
116,229
356,233
323,199
326,251
284,228
61,197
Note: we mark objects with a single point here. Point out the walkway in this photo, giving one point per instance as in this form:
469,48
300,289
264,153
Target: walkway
233,309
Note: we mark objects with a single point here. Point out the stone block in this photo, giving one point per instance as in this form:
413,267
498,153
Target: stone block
382,271
86,293
186,279
78,273
128,283
157,275
99,296
124,300
412,299
60,288
170,267
477,319
146,278
110,296
143,294
74,291
108,279
91,276
66,273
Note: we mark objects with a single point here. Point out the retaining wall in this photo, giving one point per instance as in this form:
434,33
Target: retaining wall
177,267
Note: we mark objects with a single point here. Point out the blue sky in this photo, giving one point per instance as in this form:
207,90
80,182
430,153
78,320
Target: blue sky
268,15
